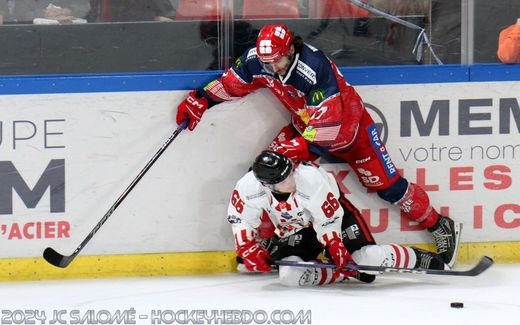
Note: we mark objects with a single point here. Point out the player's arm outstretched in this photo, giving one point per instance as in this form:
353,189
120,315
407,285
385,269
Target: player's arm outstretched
234,83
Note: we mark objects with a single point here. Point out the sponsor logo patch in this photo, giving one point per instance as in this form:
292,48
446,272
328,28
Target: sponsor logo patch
383,154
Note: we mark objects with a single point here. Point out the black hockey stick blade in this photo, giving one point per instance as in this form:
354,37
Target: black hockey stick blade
484,263
55,258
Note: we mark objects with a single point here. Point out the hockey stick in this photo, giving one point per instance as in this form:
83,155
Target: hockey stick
59,260
484,263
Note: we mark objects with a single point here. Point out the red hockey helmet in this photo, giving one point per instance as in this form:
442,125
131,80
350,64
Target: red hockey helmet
273,42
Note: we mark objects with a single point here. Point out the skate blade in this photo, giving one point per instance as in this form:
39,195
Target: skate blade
458,232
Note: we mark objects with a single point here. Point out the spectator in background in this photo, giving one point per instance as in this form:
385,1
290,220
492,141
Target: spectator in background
4,11
509,44
130,10
244,37
27,11
54,15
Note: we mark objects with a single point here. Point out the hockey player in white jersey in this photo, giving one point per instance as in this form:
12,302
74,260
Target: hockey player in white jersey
281,210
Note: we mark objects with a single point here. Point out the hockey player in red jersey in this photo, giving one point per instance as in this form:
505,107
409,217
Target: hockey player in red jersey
307,212
328,117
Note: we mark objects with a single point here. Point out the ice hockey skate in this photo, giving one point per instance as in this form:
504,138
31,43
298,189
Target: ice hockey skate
446,234
429,260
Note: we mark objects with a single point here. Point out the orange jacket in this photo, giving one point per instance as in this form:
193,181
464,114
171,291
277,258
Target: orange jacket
509,44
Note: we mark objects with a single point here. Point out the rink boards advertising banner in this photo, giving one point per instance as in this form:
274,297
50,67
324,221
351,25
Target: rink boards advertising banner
461,143
65,158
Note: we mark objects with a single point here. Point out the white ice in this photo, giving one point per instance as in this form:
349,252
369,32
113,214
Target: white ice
391,299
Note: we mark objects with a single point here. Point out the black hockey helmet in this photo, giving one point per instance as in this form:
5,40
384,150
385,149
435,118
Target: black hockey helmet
271,167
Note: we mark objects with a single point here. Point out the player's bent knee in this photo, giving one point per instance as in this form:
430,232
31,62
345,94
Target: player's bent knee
375,255
295,276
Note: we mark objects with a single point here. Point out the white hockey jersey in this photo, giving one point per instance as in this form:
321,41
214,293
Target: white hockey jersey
314,204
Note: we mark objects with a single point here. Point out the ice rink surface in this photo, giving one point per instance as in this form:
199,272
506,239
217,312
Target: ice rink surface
492,297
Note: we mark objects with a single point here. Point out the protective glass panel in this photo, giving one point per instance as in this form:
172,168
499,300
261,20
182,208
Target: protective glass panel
96,36
490,18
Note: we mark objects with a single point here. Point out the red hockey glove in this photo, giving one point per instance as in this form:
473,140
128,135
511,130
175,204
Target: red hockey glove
192,108
255,257
296,149
286,133
340,256
338,252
